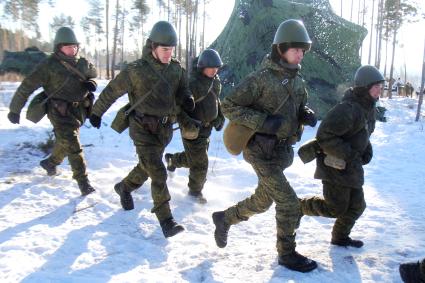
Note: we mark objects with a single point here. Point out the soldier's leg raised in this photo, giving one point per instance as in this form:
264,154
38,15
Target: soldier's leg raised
334,203
134,180
345,222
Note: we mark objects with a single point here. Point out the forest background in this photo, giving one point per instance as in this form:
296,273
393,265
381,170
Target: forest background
114,31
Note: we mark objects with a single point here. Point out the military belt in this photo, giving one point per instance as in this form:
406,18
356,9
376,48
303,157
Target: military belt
161,119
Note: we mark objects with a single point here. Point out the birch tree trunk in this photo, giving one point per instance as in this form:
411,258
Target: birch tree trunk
421,91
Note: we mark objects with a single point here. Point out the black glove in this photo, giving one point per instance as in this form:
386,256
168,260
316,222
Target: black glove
90,85
307,117
150,123
13,118
188,104
266,143
271,124
95,121
367,155
218,123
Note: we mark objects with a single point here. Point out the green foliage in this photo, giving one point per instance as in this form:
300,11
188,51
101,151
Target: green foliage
331,63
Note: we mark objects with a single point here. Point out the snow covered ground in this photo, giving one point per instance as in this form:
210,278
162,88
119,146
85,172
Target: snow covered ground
48,233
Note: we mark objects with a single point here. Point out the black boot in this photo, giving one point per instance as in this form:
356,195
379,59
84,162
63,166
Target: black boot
50,168
125,196
168,159
170,227
85,187
347,242
297,262
198,196
221,229
410,272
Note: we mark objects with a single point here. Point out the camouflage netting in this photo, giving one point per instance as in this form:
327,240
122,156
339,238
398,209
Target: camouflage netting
21,62
328,68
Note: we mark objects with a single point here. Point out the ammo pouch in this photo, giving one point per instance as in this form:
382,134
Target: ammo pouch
236,137
308,151
334,162
61,106
37,107
121,122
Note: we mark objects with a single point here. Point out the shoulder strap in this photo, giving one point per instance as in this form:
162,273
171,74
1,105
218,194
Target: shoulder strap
150,91
285,83
72,69
210,90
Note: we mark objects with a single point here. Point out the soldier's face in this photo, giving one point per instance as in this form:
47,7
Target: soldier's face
210,72
375,90
69,50
163,53
294,55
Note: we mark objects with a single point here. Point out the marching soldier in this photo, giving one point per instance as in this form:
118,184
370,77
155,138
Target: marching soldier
156,84
344,141
413,272
196,126
272,103
67,80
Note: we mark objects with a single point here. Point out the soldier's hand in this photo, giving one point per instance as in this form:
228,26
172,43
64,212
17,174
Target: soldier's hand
13,118
307,117
90,85
367,155
218,124
188,104
95,121
271,124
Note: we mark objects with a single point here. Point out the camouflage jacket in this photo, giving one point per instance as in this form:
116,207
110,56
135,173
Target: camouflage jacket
56,80
140,78
261,93
344,133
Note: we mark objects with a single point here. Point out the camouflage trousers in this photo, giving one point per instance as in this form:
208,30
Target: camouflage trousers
343,203
150,148
195,157
67,143
272,187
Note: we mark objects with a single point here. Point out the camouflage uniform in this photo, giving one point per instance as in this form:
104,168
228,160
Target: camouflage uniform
137,79
343,133
249,104
66,110
206,114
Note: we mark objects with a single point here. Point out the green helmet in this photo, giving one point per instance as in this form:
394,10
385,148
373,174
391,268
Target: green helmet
209,58
65,35
293,33
163,33
367,75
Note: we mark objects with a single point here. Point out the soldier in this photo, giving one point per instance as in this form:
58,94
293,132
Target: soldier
155,85
413,272
68,82
343,138
272,102
206,87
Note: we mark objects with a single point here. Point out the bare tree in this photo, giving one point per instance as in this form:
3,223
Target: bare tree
108,76
115,39
421,90
371,32
396,13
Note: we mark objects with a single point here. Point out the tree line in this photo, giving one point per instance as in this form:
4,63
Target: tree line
111,25
386,17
